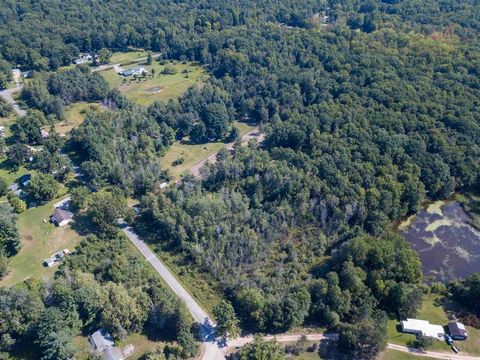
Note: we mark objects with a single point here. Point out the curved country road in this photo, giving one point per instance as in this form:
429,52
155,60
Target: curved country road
216,348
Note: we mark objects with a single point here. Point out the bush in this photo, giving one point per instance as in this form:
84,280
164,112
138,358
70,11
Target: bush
169,70
18,205
421,342
178,161
3,187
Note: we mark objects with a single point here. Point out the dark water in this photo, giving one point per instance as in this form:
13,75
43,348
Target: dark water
447,245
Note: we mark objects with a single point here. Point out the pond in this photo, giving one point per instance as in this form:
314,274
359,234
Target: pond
448,246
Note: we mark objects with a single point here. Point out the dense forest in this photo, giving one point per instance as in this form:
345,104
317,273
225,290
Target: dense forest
367,114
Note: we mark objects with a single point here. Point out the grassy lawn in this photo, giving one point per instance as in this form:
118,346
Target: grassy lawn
141,343
399,355
435,314
158,86
40,239
74,116
7,174
192,154
122,57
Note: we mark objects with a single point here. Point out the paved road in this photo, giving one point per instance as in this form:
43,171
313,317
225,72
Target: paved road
216,349
197,312
254,134
7,96
211,348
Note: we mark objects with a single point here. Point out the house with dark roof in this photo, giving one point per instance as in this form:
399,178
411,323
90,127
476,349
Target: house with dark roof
103,344
457,331
101,340
61,217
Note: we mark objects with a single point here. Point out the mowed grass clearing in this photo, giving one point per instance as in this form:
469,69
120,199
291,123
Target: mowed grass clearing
40,239
194,153
74,117
126,56
8,174
435,313
157,86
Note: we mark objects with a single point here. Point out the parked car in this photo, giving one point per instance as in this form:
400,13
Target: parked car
448,339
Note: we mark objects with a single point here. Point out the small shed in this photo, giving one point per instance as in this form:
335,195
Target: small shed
457,331
61,217
101,340
44,133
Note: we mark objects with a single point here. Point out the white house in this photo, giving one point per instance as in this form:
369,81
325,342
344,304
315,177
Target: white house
422,327
139,70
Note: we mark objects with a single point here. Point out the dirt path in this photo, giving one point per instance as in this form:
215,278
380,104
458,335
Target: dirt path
254,134
432,354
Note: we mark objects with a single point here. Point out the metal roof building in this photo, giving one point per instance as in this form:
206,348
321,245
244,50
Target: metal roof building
457,331
422,327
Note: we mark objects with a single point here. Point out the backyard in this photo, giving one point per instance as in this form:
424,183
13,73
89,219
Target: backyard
40,239
157,86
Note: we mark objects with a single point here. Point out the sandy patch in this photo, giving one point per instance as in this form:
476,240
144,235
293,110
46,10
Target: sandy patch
155,90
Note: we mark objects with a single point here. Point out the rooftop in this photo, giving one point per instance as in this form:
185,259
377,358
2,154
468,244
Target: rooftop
422,327
60,215
101,340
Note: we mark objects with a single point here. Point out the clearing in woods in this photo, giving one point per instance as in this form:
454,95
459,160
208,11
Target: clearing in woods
40,239
157,86
194,153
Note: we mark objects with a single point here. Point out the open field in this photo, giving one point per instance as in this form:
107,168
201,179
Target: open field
40,239
435,313
157,86
194,153
122,57
74,116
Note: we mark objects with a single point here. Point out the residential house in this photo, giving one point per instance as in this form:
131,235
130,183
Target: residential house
101,340
139,70
457,331
61,217
422,328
